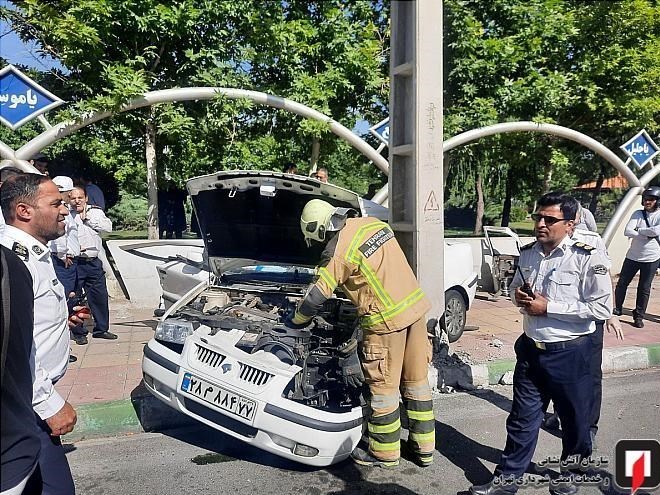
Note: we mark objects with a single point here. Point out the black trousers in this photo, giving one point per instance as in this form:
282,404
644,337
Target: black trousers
596,374
563,376
628,271
91,278
53,475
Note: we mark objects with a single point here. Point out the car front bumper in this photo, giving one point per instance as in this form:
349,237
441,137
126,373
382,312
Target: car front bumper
283,427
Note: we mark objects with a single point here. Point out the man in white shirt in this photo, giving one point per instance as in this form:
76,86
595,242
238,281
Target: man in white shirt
65,250
643,255
562,288
91,277
35,213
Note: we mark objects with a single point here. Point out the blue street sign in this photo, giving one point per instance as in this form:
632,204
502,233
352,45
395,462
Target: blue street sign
382,130
22,99
641,149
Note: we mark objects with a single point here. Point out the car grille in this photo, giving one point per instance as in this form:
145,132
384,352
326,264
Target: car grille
253,375
208,357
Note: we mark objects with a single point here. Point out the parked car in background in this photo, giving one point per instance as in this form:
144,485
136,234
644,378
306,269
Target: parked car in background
220,353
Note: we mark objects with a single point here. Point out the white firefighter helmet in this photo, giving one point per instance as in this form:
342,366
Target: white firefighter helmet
319,217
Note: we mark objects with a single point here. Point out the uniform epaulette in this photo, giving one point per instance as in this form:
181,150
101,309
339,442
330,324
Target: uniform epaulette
21,251
584,247
528,246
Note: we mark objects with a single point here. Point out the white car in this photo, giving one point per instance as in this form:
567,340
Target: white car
221,356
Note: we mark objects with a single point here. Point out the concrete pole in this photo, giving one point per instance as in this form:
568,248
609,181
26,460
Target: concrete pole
416,185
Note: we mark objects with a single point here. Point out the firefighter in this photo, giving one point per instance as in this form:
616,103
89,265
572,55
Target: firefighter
363,258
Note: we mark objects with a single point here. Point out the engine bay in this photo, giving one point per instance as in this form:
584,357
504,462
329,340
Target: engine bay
258,311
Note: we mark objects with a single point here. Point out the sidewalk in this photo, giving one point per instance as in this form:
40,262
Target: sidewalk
105,383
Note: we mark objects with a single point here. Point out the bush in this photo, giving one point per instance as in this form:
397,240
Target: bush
130,212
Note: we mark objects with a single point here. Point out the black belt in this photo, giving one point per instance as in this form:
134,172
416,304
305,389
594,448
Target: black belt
85,259
554,346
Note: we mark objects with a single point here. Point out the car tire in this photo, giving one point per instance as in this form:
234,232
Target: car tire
453,320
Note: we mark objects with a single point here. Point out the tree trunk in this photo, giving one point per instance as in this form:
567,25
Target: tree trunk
599,185
547,177
314,159
152,178
478,224
506,210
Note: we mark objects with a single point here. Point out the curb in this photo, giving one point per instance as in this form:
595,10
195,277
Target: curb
145,413
614,359
124,417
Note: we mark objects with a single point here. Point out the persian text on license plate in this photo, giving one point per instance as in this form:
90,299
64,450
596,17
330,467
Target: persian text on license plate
219,397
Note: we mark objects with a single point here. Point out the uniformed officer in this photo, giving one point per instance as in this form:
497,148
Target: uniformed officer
564,289
613,325
35,213
91,277
65,250
363,258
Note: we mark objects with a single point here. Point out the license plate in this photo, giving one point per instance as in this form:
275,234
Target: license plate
219,397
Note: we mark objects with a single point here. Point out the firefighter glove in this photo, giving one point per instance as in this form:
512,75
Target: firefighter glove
349,364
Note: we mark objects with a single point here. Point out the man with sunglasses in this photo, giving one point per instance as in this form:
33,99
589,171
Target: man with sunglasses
562,288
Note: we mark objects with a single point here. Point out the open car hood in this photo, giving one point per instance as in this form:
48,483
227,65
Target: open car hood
253,217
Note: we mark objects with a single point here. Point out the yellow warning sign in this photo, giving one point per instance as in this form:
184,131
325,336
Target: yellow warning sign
431,203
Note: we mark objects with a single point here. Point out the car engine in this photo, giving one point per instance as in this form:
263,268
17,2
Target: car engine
259,314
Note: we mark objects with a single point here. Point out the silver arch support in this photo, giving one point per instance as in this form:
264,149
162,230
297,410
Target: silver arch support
63,129
555,130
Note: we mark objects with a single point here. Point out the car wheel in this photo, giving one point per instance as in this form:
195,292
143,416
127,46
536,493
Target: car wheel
454,317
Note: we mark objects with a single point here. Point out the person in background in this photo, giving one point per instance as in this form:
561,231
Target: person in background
643,256
171,212
290,168
6,170
94,193
65,250
91,277
322,174
19,445
586,220
40,162
33,208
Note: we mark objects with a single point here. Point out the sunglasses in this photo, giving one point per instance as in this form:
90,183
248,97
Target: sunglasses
548,220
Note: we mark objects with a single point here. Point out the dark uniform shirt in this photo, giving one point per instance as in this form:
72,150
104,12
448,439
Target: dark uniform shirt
19,443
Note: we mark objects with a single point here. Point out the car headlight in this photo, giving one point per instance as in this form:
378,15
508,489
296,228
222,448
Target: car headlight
174,330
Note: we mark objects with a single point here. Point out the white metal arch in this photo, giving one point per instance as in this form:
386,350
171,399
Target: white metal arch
64,129
637,184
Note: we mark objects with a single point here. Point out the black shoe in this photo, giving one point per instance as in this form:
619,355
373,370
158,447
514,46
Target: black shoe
564,490
638,323
364,458
80,339
493,489
105,335
551,422
72,359
617,311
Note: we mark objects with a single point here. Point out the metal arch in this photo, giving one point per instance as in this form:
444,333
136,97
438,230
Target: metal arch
63,129
556,130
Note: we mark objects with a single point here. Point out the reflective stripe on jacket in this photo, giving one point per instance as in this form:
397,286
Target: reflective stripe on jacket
366,261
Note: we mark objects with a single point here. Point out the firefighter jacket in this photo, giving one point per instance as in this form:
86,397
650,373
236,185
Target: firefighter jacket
366,262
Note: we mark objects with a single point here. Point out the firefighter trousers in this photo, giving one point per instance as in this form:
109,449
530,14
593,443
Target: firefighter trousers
398,362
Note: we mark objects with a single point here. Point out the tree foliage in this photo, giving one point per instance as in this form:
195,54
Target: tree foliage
590,66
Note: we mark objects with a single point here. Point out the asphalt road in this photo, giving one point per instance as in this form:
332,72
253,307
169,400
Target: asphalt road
470,436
